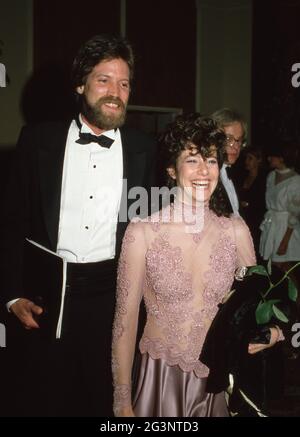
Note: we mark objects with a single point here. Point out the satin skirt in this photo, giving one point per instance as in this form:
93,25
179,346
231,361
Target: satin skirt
167,391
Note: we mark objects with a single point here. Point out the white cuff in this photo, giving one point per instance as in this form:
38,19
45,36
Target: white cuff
10,303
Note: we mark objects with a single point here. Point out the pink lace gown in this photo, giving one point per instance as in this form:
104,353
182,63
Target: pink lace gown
182,272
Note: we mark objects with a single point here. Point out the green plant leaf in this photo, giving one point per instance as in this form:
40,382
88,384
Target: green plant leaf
293,292
263,312
260,270
279,314
266,309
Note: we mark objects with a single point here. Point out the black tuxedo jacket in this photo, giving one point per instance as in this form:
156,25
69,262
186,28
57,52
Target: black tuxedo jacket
32,204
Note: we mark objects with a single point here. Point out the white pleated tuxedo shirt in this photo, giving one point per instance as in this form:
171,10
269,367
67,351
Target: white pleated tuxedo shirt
90,198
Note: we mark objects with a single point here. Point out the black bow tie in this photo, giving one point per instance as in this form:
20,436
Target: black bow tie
102,140
229,171
87,138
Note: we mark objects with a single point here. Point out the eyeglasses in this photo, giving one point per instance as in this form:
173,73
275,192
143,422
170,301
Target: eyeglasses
231,141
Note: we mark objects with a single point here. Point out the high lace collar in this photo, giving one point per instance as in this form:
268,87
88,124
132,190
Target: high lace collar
187,212
194,217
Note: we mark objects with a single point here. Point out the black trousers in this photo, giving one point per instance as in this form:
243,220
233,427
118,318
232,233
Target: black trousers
72,376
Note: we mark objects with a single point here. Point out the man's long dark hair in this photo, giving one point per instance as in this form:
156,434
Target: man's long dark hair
97,49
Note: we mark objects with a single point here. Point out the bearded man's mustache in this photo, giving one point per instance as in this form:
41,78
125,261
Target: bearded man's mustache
111,99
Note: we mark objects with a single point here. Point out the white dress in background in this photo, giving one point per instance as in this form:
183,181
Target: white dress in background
283,211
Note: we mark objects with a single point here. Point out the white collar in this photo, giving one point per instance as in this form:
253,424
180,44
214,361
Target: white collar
283,171
86,129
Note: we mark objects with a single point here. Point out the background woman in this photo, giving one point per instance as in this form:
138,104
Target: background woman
280,238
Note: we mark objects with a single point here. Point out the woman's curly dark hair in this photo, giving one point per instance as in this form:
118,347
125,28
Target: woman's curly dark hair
190,131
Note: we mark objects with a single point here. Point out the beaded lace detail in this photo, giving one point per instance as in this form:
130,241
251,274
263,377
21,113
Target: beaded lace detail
222,259
122,397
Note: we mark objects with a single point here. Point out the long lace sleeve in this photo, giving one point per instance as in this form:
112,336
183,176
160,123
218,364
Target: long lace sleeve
244,243
129,292
293,203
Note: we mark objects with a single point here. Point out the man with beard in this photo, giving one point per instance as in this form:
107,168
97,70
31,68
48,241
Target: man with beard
69,184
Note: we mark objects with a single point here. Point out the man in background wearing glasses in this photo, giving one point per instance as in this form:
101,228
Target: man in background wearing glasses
235,129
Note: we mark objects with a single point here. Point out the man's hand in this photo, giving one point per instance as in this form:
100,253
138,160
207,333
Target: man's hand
26,310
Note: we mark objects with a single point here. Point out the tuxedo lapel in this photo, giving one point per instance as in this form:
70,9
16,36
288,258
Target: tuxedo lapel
51,161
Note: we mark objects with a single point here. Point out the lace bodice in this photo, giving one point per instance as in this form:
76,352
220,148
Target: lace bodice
182,277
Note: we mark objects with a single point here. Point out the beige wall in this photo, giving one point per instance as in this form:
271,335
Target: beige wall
223,64
16,34
224,55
